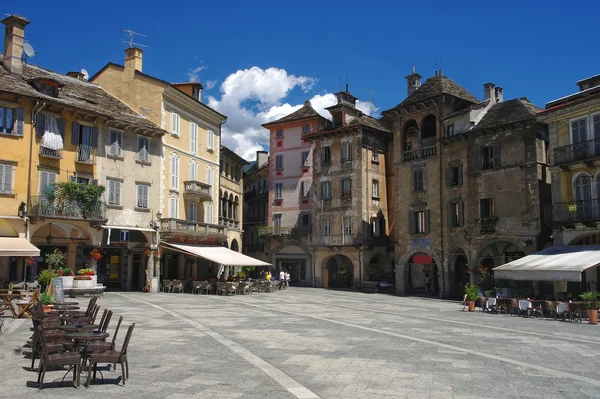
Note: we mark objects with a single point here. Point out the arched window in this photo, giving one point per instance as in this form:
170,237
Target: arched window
582,188
174,171
428,131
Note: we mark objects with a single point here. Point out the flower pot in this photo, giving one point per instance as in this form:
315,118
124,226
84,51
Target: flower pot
593,316
47,308
94,265
67,281
84,284
471,306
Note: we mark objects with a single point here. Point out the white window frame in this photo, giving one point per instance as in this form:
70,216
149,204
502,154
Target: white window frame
346,151
49,176
210,140
278,162
145,192
326,226
326,193
193,138
375,188
174,207
143,151
13,129
115,191
175,123
192,211
193,170
115,148
208,217
347,226
174,171
278,190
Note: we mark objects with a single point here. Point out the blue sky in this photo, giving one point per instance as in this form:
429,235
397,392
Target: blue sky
531,50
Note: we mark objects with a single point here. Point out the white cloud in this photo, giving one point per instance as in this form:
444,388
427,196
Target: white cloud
210,84
194,73
252,97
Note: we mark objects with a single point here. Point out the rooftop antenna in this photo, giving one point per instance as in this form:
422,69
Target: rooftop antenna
371,92
436,66
340,83
130,36
28,51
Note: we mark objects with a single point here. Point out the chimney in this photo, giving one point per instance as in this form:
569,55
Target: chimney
76,75
262,157
488,92
14,37
133,60
499,94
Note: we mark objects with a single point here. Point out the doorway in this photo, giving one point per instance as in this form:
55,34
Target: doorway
138,277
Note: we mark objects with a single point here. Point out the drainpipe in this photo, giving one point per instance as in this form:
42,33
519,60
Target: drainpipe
34,111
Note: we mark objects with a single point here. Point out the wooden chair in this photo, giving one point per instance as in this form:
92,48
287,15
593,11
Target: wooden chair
112,357
25,306
56,359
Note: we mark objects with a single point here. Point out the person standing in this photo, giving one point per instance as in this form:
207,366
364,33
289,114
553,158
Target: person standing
427,284
287,278
281,279
268,276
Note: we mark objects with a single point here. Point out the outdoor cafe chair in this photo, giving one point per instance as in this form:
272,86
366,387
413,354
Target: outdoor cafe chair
112,357
195,287
229,288
99,346
550,309
177,285
576,308
49,359
54,337
205,286
166,286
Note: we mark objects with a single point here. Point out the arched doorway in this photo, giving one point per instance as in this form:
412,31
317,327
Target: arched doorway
234,246
422,274
461,273
375,270
496,254
340,271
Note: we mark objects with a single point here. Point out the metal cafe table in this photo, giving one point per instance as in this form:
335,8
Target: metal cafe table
82,340
68,328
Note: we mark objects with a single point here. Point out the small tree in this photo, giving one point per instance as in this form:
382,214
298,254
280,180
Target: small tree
56,259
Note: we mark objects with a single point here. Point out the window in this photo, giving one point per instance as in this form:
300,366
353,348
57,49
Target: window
337,119
279,133
12,121
173,207
305,158
174,172
450,130
326,227
346,225
208,218
193,138
488,157
579,130
47,179
305,187
210,177
326,190
143,144
418,222
114,192
115,142
175,121
276,223
346,188
346,151
418,179
375,189
193,170
375,154
192,211
454,175
278,190
305,129
143,196
210,140
83,180
486,208
278,162
376,226
455,213
326,155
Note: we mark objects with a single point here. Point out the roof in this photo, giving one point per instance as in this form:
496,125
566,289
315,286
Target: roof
382,125
306,111
462,111
435,86
508,112
233,155
557,263
249,166
572,99
76,94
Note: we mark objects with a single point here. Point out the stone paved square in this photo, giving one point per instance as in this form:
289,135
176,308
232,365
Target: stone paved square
309,343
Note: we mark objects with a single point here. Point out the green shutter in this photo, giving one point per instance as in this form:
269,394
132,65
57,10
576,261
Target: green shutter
94,137
448,176
426,221
61,127
40,122
496,155
461,213
450,213
460,174
412,228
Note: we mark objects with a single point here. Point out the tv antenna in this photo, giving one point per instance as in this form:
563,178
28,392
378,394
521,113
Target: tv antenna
371,92
131,36
28,51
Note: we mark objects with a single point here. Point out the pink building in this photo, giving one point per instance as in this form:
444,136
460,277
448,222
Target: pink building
290,180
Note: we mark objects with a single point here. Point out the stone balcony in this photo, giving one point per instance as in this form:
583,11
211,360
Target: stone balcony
196,191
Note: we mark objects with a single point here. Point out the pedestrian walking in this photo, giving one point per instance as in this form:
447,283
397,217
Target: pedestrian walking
287,278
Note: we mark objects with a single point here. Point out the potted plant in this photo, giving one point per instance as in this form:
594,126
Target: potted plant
593,300
46,276
95,255
56,259
86,278
46,300
66,275
10,287
472,292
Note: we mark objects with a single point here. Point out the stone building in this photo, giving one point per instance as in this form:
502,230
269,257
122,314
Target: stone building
290,207
231,197
574,131
476,182
351,217
256,207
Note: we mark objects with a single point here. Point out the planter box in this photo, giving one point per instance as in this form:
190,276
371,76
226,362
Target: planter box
84,284
67,281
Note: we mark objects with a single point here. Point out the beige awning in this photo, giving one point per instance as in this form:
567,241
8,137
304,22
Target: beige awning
216,254
15,246
558,263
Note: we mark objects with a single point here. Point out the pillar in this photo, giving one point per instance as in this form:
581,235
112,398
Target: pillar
150,266
180,267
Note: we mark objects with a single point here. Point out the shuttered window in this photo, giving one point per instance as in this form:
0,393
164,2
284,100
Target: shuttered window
193,175
143,145
375,188
115,140
192,213
346,188
114,192
143,196
173,207
454,175
456,213
12,121
305,188
47,179
418,222
175,123
6,179
346,225
326,155
488,157
346,151
174,165
326,190
278,162
210,140
326,227
419,179
209,214
278,190
193,138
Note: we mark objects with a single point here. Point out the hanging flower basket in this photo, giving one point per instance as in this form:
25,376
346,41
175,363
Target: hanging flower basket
96,254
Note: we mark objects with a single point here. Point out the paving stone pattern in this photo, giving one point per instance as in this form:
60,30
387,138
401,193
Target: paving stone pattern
309,343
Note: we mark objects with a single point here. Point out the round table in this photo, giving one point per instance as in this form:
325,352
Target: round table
65,303
65,308
78,327
82,339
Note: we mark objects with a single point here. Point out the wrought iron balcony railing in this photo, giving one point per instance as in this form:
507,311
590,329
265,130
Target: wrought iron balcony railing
86,154
44,206
190,226
335,240
49,153
573,212
487,225
425,152
577,152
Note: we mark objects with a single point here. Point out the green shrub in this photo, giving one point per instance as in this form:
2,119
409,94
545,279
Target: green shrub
472,292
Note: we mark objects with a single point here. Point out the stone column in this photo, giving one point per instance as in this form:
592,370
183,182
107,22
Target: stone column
150,266
180,266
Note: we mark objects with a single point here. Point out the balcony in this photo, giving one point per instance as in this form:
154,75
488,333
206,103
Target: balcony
196,191
270,231
50,208
229,223
86,154
573,212
425,152
577,152
336,240
302,231
49,153
190,231
487,225
256,194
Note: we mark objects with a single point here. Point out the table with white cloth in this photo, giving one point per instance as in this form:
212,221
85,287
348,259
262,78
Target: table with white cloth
525,306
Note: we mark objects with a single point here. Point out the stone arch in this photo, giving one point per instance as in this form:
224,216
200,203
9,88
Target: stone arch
414,275
492,255
586,239
410,135
7,230
428,131
459,272
234,246
340,271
